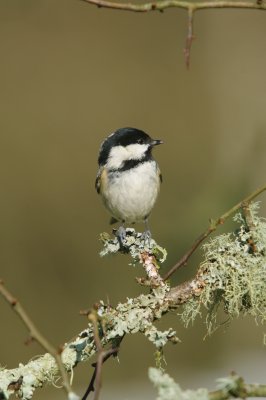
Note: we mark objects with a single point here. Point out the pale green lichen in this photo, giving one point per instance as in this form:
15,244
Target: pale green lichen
73,396
168,389
31,376
134,244
234,274
159,338
138,315
228,383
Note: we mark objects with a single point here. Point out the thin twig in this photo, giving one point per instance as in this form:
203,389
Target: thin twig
107,355
249,226
103,355
36,334
163,4
190,36
247,216
212,227
93,318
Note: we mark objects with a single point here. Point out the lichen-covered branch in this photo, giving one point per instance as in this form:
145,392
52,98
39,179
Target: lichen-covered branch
214,223
35,334
230,387
136,315
232,274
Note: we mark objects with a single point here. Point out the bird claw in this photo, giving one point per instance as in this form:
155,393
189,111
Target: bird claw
146,237
121,235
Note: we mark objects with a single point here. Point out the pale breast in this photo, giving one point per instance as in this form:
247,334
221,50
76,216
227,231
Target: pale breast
130,195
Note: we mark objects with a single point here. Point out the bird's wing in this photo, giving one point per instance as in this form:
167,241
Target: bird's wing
160,174
101,179
98,180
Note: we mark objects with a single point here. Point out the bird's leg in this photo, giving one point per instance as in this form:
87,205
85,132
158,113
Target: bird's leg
146,236
121,233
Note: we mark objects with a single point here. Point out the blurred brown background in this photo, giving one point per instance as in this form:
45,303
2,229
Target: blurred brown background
70,75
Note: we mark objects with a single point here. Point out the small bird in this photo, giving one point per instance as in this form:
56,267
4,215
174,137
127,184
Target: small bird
128,178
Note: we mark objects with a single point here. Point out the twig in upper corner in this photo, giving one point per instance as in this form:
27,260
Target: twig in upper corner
161,5
190,37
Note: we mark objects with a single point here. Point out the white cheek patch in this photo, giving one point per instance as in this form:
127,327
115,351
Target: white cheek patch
119,154
136,151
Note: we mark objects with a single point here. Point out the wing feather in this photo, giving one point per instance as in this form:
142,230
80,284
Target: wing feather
98,181
160,174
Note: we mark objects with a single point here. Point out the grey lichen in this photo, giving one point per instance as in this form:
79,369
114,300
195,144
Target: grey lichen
228,383
134,244
26,378
138,315
234,273
168,389
232,386
159,338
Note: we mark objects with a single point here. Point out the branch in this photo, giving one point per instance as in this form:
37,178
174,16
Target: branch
161,5
230,387
36,335
190,36
139,315
97,370
103,355
248,390
164,4
212,227
134,316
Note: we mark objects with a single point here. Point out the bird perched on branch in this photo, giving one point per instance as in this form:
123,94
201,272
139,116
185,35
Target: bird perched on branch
128,178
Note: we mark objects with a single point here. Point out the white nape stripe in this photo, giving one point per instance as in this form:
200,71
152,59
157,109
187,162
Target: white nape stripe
119,154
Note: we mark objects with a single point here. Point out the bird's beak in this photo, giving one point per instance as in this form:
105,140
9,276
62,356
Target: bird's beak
155,142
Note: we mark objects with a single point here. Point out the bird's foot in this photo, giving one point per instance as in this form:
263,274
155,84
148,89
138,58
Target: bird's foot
146,237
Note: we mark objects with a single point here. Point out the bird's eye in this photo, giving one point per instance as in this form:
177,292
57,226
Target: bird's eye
140,141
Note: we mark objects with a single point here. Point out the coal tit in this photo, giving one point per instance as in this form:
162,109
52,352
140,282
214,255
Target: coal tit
128,178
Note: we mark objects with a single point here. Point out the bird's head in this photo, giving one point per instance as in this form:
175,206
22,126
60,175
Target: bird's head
126,144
